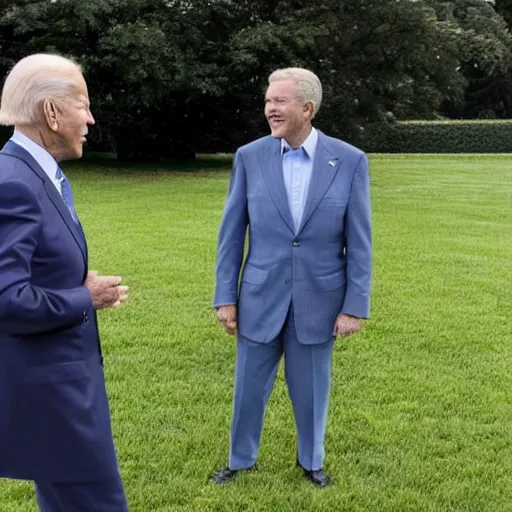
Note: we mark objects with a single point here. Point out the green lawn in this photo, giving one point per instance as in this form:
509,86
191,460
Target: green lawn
421,406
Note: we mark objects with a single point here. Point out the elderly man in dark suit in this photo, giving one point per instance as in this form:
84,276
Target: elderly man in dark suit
54,414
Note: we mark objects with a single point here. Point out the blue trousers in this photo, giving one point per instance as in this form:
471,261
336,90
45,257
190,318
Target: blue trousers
103,496
308,378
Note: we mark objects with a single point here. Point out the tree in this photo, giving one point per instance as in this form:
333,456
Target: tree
168,78
150,66
504,7
376,58
485,51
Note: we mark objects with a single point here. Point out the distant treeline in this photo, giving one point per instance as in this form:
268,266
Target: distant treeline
169,78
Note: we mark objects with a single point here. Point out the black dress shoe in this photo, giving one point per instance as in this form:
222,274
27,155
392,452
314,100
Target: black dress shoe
317,476
225,475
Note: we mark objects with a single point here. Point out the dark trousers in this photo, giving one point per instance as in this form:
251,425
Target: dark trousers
103,496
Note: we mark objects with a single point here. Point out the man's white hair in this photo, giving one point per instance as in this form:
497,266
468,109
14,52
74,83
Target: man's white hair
33,80
309,87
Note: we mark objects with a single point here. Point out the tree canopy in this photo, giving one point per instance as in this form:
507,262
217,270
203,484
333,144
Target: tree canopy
168,78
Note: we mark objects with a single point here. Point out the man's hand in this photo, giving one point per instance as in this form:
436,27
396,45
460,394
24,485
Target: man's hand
105,291
226,315
346,325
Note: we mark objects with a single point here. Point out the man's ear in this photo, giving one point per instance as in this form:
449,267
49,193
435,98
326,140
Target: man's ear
51,115
310,109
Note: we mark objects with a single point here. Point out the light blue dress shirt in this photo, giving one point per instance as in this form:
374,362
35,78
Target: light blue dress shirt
41,156
297,170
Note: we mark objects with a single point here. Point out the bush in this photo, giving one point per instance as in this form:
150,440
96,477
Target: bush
465,136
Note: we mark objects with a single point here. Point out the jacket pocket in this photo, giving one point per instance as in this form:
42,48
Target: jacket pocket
60,372
254,275
332,282
333,202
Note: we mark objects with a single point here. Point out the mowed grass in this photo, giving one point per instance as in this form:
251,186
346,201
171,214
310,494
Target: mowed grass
421,404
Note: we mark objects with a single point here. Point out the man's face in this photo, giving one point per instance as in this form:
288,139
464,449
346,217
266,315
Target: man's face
74,118
288,118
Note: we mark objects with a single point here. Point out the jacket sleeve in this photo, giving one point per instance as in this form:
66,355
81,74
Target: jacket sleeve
358,244
230,246
24,308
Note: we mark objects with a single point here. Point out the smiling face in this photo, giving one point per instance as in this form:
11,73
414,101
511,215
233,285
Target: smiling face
288,117
68,120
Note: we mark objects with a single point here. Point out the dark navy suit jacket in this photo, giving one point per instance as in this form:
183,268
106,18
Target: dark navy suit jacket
54,416
325,265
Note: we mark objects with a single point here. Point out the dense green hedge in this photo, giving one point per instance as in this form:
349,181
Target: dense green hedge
471,136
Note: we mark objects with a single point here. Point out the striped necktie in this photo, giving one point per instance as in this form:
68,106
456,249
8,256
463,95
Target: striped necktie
66,193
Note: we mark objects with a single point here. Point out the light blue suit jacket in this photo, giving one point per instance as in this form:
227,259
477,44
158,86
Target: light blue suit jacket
324,266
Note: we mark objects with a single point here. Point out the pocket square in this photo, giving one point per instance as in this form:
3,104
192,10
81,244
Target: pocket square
332,163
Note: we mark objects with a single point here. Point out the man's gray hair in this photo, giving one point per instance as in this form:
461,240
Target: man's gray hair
33,80
308,85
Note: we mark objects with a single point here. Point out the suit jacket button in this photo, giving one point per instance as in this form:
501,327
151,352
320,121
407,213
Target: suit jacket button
296,243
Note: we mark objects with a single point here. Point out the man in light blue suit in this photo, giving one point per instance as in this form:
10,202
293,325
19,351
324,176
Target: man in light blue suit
304,198
54,414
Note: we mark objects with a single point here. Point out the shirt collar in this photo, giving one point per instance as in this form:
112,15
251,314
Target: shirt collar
309,145
41,156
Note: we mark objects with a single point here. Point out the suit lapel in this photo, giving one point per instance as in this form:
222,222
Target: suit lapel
272,169
13,149
325,168
75,228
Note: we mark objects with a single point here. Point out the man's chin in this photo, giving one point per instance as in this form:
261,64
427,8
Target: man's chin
76,154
